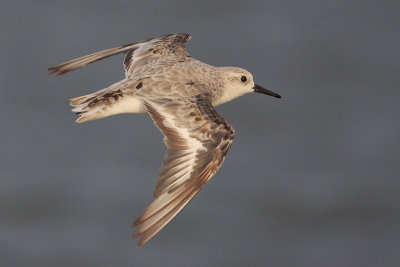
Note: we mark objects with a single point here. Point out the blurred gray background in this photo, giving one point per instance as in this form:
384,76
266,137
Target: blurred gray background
312,179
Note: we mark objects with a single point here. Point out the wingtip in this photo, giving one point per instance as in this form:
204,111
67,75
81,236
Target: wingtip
56,71
141,241
139,244
134,235
134,224
51,71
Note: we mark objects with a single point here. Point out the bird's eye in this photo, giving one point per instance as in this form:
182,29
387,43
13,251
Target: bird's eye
243,79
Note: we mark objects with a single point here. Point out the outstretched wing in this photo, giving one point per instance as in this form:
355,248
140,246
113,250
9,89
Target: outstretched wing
137,54
197,140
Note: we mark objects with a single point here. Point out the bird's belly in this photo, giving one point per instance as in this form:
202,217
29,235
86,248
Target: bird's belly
128,104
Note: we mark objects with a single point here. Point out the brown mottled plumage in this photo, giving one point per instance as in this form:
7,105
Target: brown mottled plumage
189,162
179,93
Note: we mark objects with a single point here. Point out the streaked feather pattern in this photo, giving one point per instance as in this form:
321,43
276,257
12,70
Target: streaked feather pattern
197,140
178,92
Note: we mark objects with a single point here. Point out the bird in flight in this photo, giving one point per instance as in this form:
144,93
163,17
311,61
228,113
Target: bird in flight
179,93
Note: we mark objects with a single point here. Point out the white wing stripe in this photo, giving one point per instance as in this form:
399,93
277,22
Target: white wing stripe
193,145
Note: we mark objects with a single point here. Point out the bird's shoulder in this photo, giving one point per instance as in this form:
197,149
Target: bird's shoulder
176,80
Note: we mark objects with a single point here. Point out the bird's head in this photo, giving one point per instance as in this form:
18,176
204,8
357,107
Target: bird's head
237,82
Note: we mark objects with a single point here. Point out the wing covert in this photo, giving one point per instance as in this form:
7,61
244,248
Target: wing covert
197,140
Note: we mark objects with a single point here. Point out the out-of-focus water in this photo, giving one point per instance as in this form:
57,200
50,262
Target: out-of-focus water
312,179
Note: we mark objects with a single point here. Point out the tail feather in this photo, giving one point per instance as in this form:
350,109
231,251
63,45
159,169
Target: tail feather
109,101
94,106
86,108
79,100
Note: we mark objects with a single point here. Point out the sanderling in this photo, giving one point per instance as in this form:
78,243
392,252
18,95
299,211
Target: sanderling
179,93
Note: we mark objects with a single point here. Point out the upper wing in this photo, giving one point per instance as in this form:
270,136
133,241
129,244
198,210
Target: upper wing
137,54
197,140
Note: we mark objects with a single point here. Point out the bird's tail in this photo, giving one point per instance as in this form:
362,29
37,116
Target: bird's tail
103,103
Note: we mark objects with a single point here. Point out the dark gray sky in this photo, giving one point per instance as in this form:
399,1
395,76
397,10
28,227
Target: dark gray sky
312,179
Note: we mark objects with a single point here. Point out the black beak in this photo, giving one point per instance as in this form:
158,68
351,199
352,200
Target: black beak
262,90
